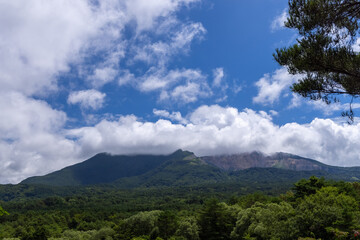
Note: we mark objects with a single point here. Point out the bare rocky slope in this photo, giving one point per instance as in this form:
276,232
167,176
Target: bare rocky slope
243,161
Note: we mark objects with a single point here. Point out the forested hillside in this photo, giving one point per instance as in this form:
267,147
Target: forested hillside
312,209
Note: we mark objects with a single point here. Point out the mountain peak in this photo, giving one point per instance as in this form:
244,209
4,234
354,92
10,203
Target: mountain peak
181,152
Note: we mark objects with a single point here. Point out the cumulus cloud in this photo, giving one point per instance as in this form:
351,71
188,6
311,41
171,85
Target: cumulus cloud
190,92
279,21
31,137
224,130
39,138
87,99
175,116
272,86
32,47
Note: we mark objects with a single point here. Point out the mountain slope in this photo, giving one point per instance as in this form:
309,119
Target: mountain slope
185,171
280,160
103,168
183,168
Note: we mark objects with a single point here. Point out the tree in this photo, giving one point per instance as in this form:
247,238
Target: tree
140,224
266,221
167,224
306,187
188,229
327,214
215,221
324,51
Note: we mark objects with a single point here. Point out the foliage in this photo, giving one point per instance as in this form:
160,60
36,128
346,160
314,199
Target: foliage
142,223
324,51
316,209
306,187
266,221
215,221
188,228
326,212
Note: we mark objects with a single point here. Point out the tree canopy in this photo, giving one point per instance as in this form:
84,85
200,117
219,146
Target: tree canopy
326,51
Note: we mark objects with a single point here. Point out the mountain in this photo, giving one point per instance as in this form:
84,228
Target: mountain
104,168
184,168
288,161
285,161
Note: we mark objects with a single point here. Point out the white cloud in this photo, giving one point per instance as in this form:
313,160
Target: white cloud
279,21
176,116
180,85
236,87
190,92
329,109
271,87
158,53
126,77
102,76
87,99
146,12
273,113
326,109
296,101
42,39
31,138
33,48
219,130
218,74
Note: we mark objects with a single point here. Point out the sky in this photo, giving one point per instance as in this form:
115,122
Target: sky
153,76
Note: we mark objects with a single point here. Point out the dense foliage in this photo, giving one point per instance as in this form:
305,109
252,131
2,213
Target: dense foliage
314,208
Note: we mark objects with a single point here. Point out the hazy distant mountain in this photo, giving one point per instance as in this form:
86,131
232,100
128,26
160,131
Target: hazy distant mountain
184,168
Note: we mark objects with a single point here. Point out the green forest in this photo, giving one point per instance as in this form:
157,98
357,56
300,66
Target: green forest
313,208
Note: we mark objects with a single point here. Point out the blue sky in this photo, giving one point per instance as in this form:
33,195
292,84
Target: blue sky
139,76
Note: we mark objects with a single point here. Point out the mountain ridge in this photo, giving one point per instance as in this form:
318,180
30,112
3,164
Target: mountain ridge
183,167
234,162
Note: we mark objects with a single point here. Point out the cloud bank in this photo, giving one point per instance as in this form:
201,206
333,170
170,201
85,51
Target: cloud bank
44,145
223,130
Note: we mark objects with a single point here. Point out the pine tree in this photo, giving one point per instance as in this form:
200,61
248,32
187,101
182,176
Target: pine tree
324,52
